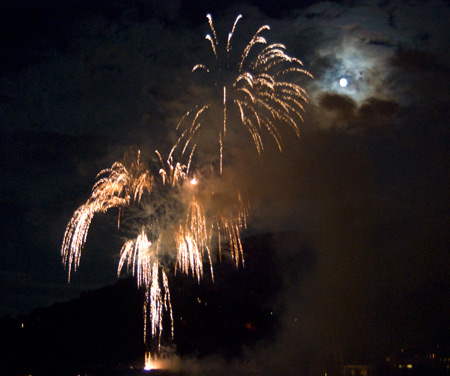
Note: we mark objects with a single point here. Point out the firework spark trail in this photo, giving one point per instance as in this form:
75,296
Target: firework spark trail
258,91
121,185
192,241
143,257
194,234
231,224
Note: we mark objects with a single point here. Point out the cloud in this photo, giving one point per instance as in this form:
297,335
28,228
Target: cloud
364,42
342,107
341,111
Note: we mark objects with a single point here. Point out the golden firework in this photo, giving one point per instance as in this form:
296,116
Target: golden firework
116,187
256,88
188,229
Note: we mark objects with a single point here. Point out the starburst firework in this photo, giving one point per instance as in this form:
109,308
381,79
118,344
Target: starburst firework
255,88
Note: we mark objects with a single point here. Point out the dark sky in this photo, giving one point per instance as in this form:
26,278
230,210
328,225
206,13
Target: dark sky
366,186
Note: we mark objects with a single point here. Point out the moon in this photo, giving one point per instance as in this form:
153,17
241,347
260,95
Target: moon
343,82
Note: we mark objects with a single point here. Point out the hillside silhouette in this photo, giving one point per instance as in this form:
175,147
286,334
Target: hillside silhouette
103,328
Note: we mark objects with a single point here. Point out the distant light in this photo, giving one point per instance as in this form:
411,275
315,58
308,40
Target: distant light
409,366
194,181
343,82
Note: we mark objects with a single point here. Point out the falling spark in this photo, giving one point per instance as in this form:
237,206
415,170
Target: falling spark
116,187
192,241
142,255
257,90
231,224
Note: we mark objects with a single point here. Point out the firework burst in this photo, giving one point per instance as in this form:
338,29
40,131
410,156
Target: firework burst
254,86
175,218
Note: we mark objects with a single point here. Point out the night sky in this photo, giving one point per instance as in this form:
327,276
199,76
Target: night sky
365,188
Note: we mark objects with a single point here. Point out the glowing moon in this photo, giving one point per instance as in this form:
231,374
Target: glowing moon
343,82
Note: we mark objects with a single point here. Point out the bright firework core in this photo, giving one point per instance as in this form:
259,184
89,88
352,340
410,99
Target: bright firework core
151,362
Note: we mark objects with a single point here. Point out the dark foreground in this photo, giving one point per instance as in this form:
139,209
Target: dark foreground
96,372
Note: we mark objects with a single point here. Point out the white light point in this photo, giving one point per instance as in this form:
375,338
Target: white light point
194,181
343,82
